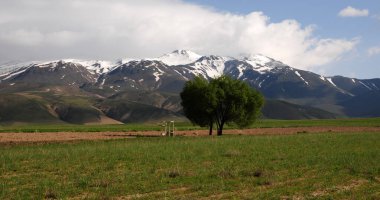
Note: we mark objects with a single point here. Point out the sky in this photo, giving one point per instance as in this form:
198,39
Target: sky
330,37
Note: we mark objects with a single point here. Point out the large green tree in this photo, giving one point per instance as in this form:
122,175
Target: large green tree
221,101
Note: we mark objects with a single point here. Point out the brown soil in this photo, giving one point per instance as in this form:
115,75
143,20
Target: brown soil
16,138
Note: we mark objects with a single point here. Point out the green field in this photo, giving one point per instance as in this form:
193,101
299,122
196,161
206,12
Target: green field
302,166
263,123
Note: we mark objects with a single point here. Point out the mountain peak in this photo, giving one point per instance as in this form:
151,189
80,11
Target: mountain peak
179,57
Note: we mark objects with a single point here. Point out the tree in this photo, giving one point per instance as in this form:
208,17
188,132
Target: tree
197,99
221,101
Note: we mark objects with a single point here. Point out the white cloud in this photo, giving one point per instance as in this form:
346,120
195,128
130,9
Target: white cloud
110,29
353,12
374,51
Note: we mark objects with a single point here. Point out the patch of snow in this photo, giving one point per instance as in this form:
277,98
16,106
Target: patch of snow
322,78
259,63
158,72
12,84
375,86
12,66
15,74
353,80
259,59
210,66
104,80
263,81
299,75
329,79
63,76
97,66
240,68
365,85
179,57
141,80
157,76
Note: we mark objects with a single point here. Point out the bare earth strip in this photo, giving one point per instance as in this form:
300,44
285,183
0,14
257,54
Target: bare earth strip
15,138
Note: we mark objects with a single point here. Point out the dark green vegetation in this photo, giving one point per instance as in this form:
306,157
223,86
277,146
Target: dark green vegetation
220,101
310,166
261,123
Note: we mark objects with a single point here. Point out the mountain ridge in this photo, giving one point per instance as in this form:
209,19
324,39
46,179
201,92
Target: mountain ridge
163,78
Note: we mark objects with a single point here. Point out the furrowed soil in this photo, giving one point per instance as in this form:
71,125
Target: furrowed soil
51,137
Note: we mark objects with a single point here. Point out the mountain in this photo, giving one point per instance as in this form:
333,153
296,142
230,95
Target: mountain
126,90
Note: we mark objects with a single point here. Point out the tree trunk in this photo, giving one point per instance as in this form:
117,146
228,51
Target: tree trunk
220,129
210,131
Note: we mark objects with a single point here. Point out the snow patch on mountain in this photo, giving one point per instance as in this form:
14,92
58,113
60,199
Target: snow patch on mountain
12,66
241,69
299,75
365,85
375,86
259,59
98,66
209,66
10,75
179,57
332,83
157,73
259,63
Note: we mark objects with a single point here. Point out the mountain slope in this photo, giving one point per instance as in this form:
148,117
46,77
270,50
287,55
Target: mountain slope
275,109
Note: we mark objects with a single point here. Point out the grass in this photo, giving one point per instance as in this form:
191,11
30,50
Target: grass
309,166
262,123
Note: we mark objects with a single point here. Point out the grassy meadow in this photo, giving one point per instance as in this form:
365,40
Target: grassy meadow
262,123
302,166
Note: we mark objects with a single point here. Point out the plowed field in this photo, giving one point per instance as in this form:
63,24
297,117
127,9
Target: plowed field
15,138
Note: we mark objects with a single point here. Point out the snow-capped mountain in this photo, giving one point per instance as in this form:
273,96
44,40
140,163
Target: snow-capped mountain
168,73
259,71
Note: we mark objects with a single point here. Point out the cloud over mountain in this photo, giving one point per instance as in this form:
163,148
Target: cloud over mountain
45,29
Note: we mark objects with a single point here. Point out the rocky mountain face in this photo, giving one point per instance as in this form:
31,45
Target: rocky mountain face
137,89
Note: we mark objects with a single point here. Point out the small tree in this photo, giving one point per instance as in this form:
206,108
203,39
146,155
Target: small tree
222,100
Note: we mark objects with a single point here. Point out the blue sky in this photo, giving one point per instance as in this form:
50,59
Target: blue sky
330,37
324,15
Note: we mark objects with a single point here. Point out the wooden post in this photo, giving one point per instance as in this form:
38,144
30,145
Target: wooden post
172,128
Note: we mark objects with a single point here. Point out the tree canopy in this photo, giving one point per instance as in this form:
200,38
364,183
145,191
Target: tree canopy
219,101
